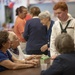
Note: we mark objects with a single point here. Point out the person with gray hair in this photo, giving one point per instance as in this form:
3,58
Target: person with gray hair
35,33
63,64
7,60
15,48
16,51
45,19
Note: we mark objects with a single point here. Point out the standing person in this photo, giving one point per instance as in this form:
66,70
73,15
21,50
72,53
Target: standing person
46,20
65,23
35,33
20,24
28,16
63,64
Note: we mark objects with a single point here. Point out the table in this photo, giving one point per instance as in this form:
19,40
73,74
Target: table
29,71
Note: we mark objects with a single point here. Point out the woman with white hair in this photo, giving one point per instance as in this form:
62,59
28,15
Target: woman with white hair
15,48
7,60
45,19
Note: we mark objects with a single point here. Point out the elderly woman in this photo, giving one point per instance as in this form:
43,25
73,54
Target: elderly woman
63,64
8,61
15,48
45,19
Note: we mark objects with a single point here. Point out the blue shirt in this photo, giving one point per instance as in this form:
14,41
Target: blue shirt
35,35
49,32
4,56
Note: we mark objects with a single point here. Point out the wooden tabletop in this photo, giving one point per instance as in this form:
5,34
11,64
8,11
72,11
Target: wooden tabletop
29,71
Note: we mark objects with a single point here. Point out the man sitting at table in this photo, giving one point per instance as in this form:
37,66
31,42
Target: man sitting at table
64,64
8,61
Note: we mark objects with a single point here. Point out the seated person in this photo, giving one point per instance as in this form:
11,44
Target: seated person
15,48
8,61
63,64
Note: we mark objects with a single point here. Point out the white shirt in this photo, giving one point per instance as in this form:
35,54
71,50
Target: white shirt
56,30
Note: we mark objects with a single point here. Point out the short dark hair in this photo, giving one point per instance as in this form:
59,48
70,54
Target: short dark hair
20,9
3,37
35,11
60,5
64,43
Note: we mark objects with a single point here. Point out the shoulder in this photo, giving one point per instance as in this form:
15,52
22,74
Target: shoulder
66,56
33,21
2,56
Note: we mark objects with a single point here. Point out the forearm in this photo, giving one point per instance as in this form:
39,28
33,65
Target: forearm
21,66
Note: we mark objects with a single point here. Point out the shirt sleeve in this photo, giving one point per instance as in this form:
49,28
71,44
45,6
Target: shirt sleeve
21,27
6,56
26,31
3,57
53,51
74,34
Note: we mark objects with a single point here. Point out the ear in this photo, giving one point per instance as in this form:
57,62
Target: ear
3,44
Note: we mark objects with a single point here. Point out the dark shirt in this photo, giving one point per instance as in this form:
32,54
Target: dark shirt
4,56
64,64
35,35
16,51
49,35
49,32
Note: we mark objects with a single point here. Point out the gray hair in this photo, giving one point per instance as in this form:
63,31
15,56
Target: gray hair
64,43
44,14
12,35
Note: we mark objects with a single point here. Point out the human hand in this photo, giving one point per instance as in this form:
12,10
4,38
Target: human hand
44,48
33,57
53,57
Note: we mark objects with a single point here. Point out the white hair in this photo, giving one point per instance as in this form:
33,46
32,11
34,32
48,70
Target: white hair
12,35
44,14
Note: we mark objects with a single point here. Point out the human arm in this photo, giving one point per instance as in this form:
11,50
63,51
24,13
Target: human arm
20,27
34,62
12,65
44,47
55,69
26,31
55,32
74,35
7,62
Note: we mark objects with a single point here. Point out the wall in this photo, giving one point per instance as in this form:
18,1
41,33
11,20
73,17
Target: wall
2,10
49,7
45,6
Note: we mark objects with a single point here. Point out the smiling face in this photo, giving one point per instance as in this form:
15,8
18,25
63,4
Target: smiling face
62,15
23,13
14,42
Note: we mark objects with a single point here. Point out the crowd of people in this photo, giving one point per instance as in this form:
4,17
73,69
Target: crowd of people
34,34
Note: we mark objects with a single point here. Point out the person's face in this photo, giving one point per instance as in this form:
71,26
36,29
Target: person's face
7,44
60,14
44,21
15,42
24,13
